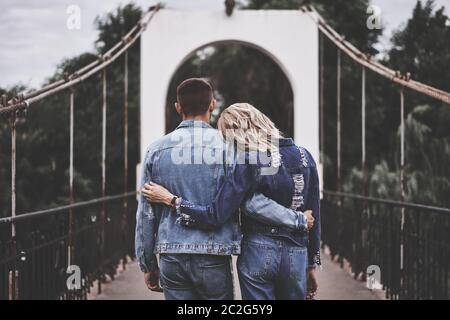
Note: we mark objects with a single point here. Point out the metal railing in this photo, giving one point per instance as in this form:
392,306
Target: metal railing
41,250
409,242
34,264
414,259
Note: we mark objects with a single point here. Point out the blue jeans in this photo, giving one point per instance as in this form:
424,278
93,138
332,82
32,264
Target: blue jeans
272,268
196,277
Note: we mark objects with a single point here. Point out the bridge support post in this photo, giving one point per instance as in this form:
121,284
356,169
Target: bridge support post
363,245
322,102
13,124
338,149
71,197
103,210
402,187
363,121
338,121
13,275
125,151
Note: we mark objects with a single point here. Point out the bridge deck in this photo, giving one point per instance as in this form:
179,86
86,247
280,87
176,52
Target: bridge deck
334,284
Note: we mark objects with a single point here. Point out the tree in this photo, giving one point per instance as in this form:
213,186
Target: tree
427,134
347,17
422,49
239,74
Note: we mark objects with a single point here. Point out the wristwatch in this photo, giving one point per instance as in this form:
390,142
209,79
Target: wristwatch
173,201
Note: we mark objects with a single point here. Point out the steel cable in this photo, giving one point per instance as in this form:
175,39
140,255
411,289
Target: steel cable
366,61
82,74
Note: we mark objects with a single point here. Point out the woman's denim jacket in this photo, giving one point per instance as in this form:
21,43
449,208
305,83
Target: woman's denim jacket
294,185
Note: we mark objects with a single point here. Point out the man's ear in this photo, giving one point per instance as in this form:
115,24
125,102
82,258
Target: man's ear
212,105
178,108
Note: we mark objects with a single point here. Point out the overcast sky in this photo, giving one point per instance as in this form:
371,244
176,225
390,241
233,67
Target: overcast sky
35,38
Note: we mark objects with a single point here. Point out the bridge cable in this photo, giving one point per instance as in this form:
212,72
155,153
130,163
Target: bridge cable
338,120
13,123
82,74
402,182
363,118
366,60
71,195
125,134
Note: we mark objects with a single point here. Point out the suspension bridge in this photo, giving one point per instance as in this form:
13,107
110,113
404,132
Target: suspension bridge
36,248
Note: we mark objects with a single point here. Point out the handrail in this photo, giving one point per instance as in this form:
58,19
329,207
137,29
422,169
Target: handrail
366,61
66,208
387,201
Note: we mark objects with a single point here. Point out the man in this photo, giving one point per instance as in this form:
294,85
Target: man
194,263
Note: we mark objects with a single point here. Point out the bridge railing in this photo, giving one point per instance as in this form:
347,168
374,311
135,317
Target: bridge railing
409,242
95,235
60,253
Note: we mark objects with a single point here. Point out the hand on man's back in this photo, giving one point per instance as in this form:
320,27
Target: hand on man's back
309,219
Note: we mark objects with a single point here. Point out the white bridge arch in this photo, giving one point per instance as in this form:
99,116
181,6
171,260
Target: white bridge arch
289,37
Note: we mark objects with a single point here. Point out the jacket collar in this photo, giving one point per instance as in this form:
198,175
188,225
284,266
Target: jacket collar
193,123
285,142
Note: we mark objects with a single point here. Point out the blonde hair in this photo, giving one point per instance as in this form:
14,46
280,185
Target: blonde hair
251,129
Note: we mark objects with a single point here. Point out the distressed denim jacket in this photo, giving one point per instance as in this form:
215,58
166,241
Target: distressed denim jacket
190,162
294,186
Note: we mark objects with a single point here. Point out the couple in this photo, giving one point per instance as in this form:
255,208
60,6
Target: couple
196,199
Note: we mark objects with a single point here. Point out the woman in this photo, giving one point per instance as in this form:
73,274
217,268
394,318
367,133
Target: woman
275,261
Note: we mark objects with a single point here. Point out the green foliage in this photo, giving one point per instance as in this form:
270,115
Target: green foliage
427,172
347,17
239,73
382,182
421,48
427,175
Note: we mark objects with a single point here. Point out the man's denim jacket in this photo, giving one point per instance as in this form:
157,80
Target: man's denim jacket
190,162
294,185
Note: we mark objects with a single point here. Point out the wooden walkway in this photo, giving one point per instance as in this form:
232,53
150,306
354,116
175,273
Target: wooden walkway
334,284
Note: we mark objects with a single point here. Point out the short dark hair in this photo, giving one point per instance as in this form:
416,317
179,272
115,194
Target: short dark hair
194,95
